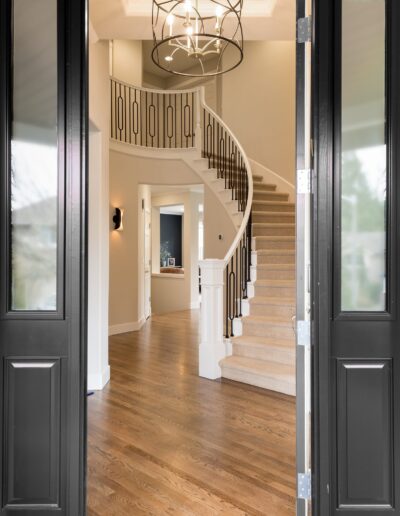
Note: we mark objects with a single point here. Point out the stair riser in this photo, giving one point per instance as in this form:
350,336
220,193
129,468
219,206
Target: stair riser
275,274
273,231
273,244
272,384
283,311
287,357
276,208
270,196
275,218
267,291
264,186
267,329
266,259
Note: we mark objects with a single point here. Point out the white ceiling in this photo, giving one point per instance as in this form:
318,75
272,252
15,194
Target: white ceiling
131,19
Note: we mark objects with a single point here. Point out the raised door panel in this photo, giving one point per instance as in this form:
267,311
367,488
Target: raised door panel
32,407
364,434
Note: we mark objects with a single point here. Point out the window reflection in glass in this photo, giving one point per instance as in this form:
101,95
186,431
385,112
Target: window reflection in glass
34,156
363,175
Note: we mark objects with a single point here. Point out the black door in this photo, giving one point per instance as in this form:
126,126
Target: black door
42,250
356,335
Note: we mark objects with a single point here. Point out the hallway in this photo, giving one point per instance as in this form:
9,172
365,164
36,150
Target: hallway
162,440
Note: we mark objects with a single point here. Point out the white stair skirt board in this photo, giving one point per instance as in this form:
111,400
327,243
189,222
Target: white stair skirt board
125,327
97,382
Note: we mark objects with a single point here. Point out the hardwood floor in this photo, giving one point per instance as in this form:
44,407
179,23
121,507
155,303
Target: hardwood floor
164,441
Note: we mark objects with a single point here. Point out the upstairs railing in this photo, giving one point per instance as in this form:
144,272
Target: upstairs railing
153,118
182,120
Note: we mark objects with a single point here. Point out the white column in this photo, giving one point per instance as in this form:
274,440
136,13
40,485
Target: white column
212,345
98,366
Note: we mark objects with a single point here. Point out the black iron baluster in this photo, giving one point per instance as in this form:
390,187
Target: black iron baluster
227,301
192,115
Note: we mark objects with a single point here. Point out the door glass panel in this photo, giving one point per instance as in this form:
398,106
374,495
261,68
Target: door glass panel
363,157
34,156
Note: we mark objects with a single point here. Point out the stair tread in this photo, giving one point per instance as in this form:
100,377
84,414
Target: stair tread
277,213
274,266
261,367
267,319
275,237
276,301
274,251
253,340
274,203
274,224
261,190
269,300
275,282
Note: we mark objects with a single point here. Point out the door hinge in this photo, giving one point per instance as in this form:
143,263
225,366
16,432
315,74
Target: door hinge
304,29
304,181
303,333
304,486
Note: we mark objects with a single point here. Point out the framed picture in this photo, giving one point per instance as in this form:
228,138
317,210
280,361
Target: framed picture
171,262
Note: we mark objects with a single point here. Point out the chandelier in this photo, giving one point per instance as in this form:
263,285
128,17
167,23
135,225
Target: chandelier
197,38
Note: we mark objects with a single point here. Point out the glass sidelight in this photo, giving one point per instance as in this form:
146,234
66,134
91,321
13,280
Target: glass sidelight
34,156
363,157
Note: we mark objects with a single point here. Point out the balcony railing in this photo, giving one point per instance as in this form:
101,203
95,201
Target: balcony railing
152,118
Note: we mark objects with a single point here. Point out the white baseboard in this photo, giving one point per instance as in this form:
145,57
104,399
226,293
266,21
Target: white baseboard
97,382
125,327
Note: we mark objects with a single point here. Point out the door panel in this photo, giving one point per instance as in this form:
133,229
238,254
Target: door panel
364,435
32,407
356,328
42,256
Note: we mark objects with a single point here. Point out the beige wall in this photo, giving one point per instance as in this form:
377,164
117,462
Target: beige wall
258,104
126,61
127,172
216,222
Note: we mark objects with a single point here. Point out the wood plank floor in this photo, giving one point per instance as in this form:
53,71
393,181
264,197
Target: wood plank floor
164,441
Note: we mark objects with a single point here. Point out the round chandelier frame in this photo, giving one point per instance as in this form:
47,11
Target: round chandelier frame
191,39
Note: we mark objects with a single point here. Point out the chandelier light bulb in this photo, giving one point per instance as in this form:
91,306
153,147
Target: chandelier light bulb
170,20
188,6
219,11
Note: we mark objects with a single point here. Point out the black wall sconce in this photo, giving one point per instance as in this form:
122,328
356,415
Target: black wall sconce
117,219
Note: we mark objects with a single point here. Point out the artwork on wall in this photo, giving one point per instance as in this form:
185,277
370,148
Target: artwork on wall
171,240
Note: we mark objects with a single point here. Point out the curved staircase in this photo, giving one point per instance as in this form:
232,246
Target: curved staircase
248,298
264,353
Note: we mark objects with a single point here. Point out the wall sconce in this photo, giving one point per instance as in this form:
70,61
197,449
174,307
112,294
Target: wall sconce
117,219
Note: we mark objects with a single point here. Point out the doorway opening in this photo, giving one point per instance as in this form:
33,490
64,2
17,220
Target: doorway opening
202,297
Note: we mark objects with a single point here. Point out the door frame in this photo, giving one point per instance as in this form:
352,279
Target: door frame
322,220
73,94
324,55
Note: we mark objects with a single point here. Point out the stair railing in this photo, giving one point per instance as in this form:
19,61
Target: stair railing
181,119
224,282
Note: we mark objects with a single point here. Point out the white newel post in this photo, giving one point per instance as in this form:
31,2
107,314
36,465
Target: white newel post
212,345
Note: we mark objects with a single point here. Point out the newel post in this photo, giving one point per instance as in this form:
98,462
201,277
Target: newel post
212,344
